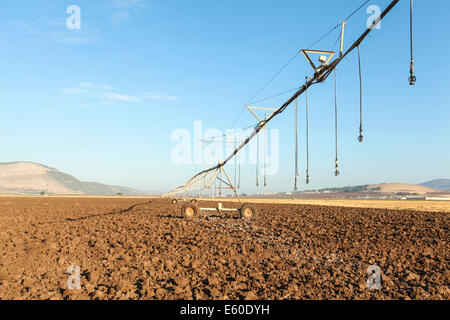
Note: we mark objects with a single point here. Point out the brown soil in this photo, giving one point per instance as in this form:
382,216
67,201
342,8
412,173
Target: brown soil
143,249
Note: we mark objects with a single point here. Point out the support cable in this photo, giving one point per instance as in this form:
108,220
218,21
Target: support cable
273,77
338,25
265,86
359,8
275,95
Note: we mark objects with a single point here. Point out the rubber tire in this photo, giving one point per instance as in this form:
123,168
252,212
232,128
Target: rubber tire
174,201
247,212
189,211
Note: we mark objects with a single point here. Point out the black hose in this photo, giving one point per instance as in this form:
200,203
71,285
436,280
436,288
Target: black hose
336,172
412,77
360,137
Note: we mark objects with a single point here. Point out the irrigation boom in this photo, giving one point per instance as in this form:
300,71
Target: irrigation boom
319,76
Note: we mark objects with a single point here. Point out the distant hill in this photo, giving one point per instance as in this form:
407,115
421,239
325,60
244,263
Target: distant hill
34,178
402,188
347,189
441,184
391,188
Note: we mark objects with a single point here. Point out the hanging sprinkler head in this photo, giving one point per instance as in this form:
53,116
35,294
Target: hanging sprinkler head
336,172
307,177
412,77
361,137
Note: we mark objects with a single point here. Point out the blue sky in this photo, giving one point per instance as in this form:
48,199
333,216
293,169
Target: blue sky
102,102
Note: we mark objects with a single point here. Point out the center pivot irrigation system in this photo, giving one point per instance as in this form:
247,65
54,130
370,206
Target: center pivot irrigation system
217,177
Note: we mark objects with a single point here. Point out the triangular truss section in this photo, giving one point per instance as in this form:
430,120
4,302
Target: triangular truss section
252,110
323,59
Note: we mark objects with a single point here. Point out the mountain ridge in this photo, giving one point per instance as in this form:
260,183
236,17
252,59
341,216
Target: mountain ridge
22,177
441,184
389,188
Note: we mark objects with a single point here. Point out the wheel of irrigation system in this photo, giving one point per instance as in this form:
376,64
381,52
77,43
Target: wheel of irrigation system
247,212
174,201
189,211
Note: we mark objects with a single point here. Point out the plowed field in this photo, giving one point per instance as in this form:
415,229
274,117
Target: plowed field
143,249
